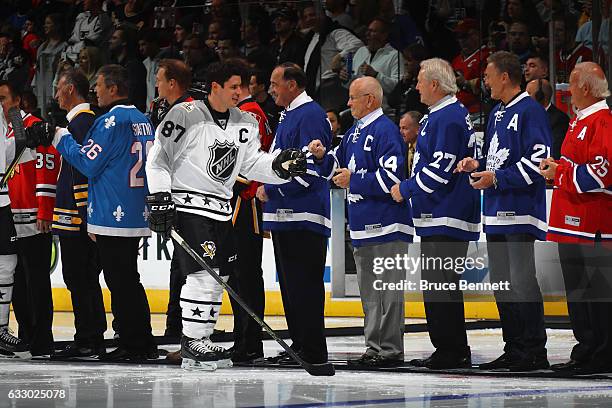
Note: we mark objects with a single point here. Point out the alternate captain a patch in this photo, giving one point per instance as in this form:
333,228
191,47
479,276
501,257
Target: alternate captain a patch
222,160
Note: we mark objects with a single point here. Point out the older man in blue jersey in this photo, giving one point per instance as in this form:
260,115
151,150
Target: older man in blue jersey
368,162
446,211
112,157
518,138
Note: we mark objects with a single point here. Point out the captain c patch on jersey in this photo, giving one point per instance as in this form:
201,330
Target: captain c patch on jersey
222,160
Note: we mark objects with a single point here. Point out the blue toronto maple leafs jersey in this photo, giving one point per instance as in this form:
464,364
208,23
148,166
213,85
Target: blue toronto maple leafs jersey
113,159
518,138
443,202
303,202
374,152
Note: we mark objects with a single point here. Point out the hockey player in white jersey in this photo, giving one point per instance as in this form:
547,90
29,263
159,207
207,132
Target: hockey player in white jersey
200,147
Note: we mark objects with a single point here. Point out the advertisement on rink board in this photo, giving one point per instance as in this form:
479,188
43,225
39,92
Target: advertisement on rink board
155,256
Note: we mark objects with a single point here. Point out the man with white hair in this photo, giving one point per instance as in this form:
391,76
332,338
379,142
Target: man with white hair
369,160
446,211
580,220
514,215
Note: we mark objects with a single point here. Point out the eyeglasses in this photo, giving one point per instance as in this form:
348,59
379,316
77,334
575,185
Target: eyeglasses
354,97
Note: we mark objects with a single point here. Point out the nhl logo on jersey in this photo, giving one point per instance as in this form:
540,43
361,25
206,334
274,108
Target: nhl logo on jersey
209,248
222,160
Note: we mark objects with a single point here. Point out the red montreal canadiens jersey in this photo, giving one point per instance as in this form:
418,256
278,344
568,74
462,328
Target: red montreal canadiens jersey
582,200
32,186
471,67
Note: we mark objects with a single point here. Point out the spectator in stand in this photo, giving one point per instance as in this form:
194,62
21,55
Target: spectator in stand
197,56
255,47
523,11
14,62
123,47
90,60
585,33
329,40
47,58
334,120
536,68
567,52
133,12
308,19
148,45
542,92
28,103
182,29
469,65
258,87
92,25
409,128
30,39
288,46
405,97
226,49
336,10
519,41
216,31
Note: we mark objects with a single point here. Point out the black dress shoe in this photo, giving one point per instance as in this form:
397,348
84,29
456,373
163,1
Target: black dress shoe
122,354
362,360
568,366
503,361
239,356
593,367
75,350
383,362
443,361
530,363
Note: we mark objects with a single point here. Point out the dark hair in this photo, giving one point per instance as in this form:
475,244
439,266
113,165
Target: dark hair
199,39
243,66
335,112
59,23
77,78
385,23
539,56
417,51
261,77
221,72
416,116
129,35
15,93
114,74
293,72
177,70
509,63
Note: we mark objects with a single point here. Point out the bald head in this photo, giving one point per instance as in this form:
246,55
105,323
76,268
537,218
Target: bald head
365,96
540,90
588,84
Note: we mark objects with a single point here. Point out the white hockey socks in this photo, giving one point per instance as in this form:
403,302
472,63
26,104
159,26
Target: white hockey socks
8,263
201,298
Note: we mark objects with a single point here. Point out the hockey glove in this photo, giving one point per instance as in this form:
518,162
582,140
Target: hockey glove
39,134
162,213
289,163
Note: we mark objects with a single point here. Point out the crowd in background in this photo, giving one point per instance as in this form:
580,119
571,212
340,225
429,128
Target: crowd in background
335,41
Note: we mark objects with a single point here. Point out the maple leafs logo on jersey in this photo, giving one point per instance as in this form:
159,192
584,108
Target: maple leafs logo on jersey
109,122
496,156
222,160
352,165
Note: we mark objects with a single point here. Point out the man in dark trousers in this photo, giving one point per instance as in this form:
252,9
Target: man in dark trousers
248,236
298,214
541,91
80,261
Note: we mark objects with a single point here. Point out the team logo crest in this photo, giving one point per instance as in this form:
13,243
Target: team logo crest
209,248
496,157
109,122
222,160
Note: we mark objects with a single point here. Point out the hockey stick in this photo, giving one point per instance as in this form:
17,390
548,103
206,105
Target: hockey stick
14,117
326,369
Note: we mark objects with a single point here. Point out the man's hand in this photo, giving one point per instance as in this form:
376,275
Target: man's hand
481,180
467,165
548,168
342,178
317,149
39,134
43,226
289,163
396,194
162,213
261,194
367,70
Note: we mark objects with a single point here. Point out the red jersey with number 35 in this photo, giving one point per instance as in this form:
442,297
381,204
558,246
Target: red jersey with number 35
581,208
32,186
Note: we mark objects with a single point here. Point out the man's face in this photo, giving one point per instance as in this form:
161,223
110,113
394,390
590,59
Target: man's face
426,88
116,42
376,37
331,116
104,93
494,81
515,8
145,48
468,42
408,129
84,60
5,42
62,95
225,49
359,102
518,38
578,93
179,34
309,17
535,69
192,52
279,88
7,101
254,87
162,84
282,25
559,33
229,94
214,31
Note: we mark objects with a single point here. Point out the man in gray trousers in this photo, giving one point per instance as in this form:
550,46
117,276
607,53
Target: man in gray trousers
368,162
